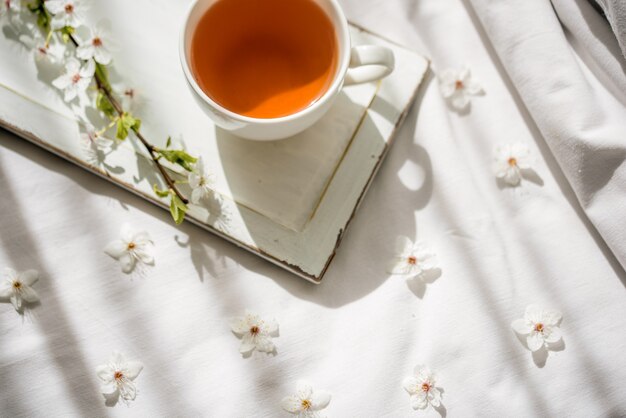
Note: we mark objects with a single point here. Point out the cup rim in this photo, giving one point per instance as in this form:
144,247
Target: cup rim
334,87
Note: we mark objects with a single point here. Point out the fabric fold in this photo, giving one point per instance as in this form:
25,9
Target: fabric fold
564,86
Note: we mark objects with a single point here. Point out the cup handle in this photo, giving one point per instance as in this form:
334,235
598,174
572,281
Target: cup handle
369,63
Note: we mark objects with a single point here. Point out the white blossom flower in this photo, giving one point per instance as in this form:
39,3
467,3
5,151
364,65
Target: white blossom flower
306,403
95,147
130,248
412,260
43,52
201,181
255,333
540,326
65,13
458,86
96,46
75,79
17,287
509,160
9,6
421,387
118,376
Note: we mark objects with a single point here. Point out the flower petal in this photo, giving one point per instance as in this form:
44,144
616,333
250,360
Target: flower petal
434,397
10,274
105,373
117,359
473,88
109,388
239,325
521,326
128,391
194,180
553,336
271,326
247,344
88,70
144,253
85,51
16,301
264,343
132,369
54,6
411,384
126,233
127,262
291,404
28,294
319,400
116,249
419,400
398,265
304,389
62,82
196,195
459,99
534,341
29,277
512,176
102,56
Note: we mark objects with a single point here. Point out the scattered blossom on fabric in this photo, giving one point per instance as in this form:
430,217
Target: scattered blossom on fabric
539,326
458,86
421,387
201,182
96,46
255,333
75,79
411,259
306,402
509,160
130,248
65,13
118,376
16,287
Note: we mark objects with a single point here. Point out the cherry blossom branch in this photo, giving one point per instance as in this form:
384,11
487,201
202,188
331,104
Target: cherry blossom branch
152,150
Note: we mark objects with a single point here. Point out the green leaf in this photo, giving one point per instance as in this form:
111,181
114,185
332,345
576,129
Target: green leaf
161,193
125,123
122,129
179,157
66,32
103,75
169,142
178,209
104,104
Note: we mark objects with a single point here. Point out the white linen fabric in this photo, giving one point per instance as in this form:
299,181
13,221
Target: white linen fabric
361,332
615,12
573,82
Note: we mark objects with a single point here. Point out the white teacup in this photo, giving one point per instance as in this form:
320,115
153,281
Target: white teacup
356,64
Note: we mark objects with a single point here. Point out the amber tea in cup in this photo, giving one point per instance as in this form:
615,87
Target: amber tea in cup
264,58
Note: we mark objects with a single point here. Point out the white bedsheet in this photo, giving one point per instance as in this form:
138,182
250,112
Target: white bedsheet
359,333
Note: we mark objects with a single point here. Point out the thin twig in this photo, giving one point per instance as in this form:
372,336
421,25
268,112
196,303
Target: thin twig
152,150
